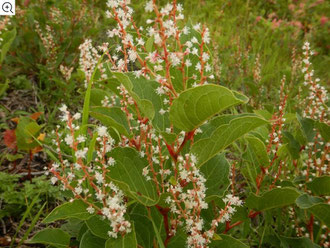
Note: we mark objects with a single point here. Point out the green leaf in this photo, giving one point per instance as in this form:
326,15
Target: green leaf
25,131
306,201
97,96
73,227
51,236
223,136
316,206
3,87
88,240
216,173
143,92
98,226
112,117
138,91
13,157
143,226
149,44
8,39
22,221
227,241
157,234
274,198
128,241
257,151
324,130
307,126
32,225
263,113
179,240
196,105
75,209
91,148
127,173
292,145
256,155
320,185
288,242
322,212
87,100
169,137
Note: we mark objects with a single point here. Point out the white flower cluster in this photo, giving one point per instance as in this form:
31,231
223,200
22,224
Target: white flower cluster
162,30
275,136
66,71
189,192
48,41
89,180
89,58
318,95
4,24
316,109
115,212
257,70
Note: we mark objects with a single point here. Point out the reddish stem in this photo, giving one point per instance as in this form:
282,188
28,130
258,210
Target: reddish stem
251,216
310,227
164,213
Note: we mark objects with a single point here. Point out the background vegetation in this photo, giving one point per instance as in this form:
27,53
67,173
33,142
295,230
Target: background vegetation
254,44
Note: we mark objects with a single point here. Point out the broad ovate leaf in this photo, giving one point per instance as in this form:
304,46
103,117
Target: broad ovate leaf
51,236
228,242
306,201
275,198
8,39
216,173
126,241
324,130
127,173
223,136
289,242
98,226
320,185
316,206
196,105
256,152
75,209
143,226
112,117
143,91
88,240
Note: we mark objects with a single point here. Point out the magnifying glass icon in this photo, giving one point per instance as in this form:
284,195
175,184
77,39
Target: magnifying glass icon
7,7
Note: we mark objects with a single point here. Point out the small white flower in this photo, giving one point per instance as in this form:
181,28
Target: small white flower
90,210
149,7
54,180
188,63
63,108
111,161
99,177
198,66
81,153
81,138
78,190
162,111
77,116
102,131
69,140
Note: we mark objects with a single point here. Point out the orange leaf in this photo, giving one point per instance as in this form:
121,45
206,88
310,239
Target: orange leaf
41,136
36,149
9,137
16,119
35,116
